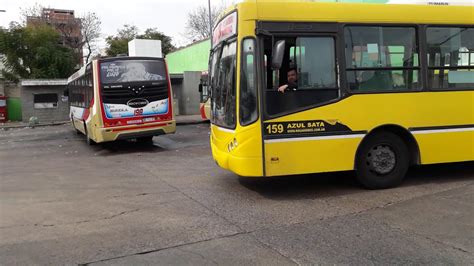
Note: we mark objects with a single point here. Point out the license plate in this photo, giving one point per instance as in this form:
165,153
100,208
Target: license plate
134,121
148,119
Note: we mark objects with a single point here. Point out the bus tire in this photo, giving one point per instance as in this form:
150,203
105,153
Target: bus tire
74,126
75,129
382,161
89,141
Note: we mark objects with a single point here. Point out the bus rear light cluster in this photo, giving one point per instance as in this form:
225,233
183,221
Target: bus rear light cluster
113,123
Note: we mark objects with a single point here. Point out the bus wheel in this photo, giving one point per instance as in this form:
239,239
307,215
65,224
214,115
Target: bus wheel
382,161
74,126
88,139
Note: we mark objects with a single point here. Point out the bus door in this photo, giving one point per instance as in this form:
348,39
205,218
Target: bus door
301,74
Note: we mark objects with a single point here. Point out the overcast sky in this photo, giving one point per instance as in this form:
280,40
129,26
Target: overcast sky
168,16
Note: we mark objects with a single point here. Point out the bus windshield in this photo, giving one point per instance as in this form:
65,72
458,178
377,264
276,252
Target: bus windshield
223,85
132,71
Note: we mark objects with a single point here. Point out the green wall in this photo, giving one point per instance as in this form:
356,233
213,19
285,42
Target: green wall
14,109
194,57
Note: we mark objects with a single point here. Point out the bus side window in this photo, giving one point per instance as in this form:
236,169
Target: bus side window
450,63
381,58
314,59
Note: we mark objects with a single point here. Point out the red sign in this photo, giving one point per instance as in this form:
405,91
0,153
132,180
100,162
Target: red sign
226,28
3,109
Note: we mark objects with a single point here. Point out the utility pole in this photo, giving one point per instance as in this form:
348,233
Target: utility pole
210,19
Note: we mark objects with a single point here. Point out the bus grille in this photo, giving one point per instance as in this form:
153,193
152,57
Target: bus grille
125,93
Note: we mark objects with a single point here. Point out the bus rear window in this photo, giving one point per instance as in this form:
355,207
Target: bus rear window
120,71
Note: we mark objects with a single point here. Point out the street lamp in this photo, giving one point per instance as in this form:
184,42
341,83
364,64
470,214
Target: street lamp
210,20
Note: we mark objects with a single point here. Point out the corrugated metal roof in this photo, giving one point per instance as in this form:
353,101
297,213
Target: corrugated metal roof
43,82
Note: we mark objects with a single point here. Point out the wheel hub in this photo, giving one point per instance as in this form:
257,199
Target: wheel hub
381,159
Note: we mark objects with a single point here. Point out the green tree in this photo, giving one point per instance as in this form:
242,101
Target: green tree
166,41
197,23
34,52
118,44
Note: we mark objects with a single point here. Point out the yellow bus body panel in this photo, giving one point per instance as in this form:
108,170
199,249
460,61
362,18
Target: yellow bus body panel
369,111
360,112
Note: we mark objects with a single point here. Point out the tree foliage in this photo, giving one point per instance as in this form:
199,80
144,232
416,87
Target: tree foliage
90,29
34,52
118,44
197,24
91,32
154,34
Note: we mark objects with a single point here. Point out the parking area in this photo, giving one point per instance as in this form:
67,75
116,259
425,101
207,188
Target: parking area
64,202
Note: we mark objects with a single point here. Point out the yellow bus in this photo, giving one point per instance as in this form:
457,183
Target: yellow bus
121,98
303,87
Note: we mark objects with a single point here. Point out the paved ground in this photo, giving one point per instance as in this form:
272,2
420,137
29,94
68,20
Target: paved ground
63,202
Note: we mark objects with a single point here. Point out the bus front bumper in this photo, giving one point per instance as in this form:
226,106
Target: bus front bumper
242,166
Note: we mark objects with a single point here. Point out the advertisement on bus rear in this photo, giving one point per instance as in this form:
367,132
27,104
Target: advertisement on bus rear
136,107
132,88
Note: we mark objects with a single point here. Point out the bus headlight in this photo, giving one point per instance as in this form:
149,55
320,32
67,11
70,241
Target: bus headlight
235,143
232,145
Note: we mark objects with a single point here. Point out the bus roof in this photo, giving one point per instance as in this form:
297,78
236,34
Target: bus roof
82,70
77,74
300,10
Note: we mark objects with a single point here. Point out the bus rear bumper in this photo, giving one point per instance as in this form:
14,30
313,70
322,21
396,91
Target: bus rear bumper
136,131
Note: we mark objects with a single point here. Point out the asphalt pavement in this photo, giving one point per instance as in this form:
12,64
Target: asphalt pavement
167,203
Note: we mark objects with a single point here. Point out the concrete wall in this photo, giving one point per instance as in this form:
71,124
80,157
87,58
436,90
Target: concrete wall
61,113
177,87
194,57
186,93
189,103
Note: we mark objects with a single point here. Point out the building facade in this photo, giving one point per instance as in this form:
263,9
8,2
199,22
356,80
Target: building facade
68,26
185,66
45,100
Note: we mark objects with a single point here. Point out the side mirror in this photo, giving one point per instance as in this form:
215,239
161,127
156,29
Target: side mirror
277,54
200,88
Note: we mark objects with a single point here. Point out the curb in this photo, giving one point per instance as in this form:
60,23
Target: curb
3,127
38,125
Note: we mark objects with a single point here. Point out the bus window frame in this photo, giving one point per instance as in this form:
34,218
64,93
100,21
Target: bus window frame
280,29
340,80
424,28
256,83
421,48
219,47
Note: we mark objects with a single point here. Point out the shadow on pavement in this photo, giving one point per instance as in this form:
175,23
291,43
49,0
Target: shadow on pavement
313,186
126,147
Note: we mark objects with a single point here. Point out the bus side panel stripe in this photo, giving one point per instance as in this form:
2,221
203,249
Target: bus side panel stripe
434,131
413,129
350,136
